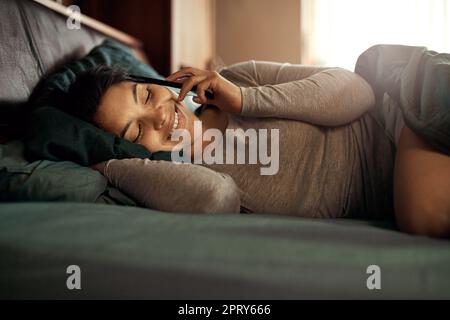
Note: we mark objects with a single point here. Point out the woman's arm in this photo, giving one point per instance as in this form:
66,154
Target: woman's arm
260,73
320,96
171,187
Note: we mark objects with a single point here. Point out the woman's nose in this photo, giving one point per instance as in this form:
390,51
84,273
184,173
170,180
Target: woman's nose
158,113
156,116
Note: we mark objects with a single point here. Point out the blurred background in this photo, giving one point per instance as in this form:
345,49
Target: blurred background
211,33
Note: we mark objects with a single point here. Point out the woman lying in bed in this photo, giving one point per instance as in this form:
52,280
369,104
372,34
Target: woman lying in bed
336,159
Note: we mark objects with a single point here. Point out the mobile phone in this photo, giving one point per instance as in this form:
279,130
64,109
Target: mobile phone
160,82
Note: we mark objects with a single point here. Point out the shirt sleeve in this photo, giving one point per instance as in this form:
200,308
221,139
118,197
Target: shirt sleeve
320,96
172,187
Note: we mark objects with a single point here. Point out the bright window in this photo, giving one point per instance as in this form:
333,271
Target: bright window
336,32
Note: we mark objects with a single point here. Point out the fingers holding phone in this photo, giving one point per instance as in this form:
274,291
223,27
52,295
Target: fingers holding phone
210,87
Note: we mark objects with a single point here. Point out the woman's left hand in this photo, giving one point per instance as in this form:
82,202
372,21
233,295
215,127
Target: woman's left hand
227,95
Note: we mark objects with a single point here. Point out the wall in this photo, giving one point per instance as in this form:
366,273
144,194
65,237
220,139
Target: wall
193,29
148,21
258,29
205,33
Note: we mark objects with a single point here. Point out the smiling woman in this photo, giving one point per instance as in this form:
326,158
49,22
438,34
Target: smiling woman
143,113
335,160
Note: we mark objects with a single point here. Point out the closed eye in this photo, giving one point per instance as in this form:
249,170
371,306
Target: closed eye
148,95
139,134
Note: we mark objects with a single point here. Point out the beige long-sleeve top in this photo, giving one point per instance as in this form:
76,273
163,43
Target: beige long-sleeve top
334,159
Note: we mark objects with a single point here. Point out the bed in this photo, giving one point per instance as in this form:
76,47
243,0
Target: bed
132,252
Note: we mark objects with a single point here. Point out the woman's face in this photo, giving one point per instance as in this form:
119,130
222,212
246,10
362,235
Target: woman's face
146,114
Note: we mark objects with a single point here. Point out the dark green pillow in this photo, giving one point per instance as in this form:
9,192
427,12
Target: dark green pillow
52,134
45,180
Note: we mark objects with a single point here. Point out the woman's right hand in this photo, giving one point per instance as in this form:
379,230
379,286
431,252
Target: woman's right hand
227,95
99,167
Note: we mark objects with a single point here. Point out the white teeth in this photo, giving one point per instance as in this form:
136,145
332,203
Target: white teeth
175,124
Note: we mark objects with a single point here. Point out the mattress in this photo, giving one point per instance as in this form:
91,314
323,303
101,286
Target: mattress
128,252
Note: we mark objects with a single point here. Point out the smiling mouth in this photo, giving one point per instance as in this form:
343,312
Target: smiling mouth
178,116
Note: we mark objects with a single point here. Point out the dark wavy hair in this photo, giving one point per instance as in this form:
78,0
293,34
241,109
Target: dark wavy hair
85,94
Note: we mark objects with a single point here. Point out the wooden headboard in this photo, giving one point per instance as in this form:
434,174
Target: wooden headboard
98,26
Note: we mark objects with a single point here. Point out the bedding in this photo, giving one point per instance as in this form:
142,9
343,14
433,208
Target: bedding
138,253
418,81
44,180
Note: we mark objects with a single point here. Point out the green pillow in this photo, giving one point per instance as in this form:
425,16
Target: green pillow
52,134
46,180
110,53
